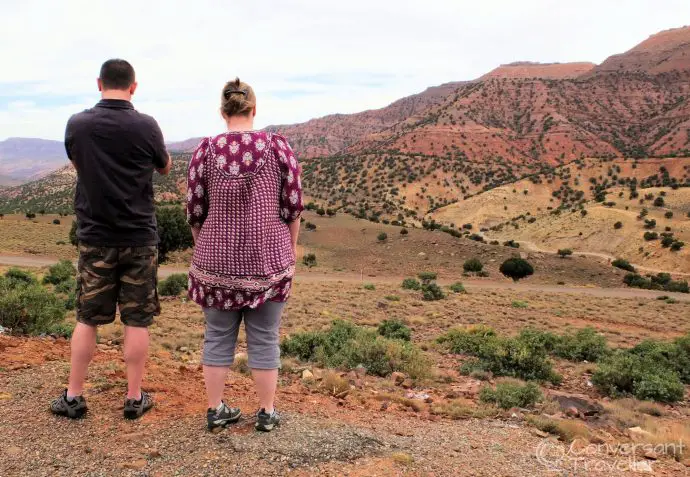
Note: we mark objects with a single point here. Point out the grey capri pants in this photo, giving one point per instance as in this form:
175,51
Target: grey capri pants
261,325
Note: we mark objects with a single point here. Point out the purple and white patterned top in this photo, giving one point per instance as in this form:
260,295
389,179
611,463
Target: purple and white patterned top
243,188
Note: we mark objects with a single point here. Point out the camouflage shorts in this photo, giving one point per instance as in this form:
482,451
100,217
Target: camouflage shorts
112,276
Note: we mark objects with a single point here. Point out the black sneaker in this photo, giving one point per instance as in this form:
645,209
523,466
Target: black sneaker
223,418
74,408
135,409
266,422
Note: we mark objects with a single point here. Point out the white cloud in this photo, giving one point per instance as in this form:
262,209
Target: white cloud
305,58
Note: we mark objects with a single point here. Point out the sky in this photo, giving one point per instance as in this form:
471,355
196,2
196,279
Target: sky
304,58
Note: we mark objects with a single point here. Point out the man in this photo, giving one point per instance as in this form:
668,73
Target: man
114,149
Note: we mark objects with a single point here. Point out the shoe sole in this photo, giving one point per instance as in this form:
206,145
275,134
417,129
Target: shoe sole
266,428
134,414
226,423
78,414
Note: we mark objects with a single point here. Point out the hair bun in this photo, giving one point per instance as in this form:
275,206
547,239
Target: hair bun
237,98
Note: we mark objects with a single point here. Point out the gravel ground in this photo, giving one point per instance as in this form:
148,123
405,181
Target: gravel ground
310,442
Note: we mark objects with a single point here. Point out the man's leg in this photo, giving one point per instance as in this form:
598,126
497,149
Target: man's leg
96,302
136,351
83,345
138,302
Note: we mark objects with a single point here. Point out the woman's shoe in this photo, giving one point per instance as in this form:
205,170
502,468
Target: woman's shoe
223,417
266,422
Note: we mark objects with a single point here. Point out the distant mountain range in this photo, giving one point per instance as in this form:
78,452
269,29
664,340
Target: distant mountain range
23,159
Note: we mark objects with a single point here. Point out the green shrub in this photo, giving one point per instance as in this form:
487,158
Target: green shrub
56,221
173,231
427,277
516,268
511,243
507,395
310,226
411,284
564,252
345,345
583,345
392,297
649,236
403,231
677,245
309,260
457,287
382,237
626,373
17,278
432,292
60,272
369,286
66,287
623,265
473,265
618,225
173,285
519,304
30,309
395,330
518,357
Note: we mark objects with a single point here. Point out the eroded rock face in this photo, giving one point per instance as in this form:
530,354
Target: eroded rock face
576,405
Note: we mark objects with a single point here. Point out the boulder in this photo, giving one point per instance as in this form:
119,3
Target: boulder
398,378
307,375
576,402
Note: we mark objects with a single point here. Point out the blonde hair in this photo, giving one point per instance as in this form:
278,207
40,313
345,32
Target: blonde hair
237,98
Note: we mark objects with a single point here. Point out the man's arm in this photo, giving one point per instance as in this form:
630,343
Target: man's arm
68,143
164,171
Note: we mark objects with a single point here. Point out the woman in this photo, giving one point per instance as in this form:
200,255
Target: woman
244,200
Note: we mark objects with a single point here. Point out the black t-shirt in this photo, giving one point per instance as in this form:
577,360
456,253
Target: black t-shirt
115,150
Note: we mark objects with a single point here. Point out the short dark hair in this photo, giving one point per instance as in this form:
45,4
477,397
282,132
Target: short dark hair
117,74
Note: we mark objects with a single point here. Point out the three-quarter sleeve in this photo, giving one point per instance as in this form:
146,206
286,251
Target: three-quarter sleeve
197,192
291,204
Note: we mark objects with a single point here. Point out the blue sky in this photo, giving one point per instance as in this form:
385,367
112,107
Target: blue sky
305,58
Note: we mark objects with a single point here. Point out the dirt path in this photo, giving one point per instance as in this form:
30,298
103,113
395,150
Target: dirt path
532,247
314,277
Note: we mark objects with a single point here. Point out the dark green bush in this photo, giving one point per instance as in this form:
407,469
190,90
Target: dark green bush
56,221
73,234
623,265
403,231
60,272
411,284
395,330
17,278
30,309
173,230
382,237
564,252
507,395
173,285
432,292
473,265
310,226
66,287
309,260
516,268
427,277
618,225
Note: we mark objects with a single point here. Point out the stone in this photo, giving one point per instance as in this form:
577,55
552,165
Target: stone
686,462
184,349
421,254
580,402
154,454
539,433
318,373
307,375
398,378
138,464
524,255
407,383
572,412
651,455
638,433
14,450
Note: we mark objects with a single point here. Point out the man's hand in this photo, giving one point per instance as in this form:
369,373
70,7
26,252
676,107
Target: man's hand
166,170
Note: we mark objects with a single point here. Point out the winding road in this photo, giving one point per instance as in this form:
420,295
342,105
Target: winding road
309,276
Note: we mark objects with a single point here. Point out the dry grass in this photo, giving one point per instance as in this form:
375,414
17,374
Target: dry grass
463,409
402,458
413,404
334,385
567,430
39,236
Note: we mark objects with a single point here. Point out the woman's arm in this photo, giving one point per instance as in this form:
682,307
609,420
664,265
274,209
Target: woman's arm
195,234
197,193
294,234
